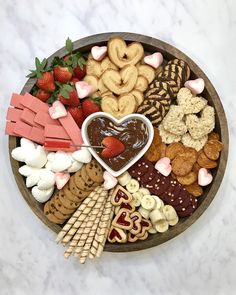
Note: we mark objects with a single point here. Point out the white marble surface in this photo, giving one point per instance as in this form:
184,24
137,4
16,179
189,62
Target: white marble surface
200,261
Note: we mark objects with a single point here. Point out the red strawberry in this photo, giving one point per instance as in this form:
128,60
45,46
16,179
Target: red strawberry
74,80
62,74
77,114
90,106
113,147
80,72
72,100
42,95
46,82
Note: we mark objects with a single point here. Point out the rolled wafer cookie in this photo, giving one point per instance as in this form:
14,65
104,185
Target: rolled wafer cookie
74,217
83,211
90,222
86,248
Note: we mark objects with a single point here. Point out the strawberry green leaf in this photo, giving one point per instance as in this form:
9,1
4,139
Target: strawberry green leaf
69,45
64,93
67,87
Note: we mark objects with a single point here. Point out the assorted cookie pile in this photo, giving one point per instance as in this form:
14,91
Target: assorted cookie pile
103,176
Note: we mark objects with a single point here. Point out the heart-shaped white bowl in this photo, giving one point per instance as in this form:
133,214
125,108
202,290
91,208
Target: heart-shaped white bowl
117,122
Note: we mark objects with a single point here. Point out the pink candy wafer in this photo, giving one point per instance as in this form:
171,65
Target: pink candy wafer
16,101
44,119
13,114
33,103
72,129
10,126
53,131
28,116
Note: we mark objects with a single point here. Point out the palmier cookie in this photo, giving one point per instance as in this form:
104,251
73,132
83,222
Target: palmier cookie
95,171
153,110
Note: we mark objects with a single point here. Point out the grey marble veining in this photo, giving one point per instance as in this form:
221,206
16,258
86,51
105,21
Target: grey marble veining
202,260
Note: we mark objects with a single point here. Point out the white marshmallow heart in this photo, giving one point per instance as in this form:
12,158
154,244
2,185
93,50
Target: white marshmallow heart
57,110
154,60
109,180
196,86
75,166
163,166
32,180
83,155
42,196
99,52
83,89
48,165
61,179
46,179
204,177
38,158
51,156
61,162
27,170
19,154
27,144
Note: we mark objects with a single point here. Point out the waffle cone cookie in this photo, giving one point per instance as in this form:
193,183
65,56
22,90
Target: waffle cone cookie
83,211
103,228
72,221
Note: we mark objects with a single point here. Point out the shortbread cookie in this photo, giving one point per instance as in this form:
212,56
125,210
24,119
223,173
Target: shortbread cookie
205,162
195,189
174,149
173,121
119,107
191,104
212,149
168,137
199,127
197,144
121,54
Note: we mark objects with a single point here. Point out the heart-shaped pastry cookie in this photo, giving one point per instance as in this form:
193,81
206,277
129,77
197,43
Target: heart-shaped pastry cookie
123,55
135,131
120,195
120,82
119,107
136,217
122,220
117,235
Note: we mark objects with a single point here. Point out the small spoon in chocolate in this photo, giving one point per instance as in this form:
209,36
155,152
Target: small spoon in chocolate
66,144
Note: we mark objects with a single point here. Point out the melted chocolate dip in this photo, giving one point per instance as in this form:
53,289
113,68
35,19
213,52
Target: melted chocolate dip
133,133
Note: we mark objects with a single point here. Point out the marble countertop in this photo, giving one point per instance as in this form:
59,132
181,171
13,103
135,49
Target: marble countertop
202,260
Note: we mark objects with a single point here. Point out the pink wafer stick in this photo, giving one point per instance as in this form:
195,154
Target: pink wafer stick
33,103
28,116
13,114
44,119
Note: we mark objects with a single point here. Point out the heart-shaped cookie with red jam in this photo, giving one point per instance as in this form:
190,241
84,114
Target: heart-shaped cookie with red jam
120,195
117,235
136,217
123,220
134,131
129,206
145,226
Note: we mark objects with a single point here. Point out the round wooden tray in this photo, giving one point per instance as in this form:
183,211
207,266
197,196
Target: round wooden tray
150,45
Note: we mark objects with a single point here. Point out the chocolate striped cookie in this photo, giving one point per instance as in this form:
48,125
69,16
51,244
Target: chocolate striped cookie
183,65
165,102
153,110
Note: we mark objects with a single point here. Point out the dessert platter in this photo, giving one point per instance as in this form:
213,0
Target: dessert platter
117,142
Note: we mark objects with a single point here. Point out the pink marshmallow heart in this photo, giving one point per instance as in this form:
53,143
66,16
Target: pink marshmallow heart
57,110
154,60
196,86
163,166
83,89
99,52
204,177
61,179
109,180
